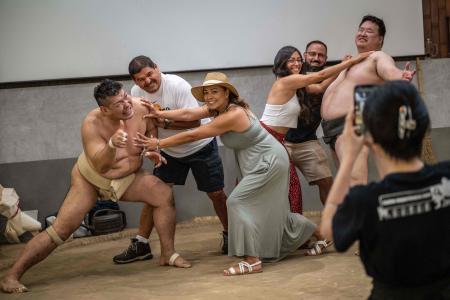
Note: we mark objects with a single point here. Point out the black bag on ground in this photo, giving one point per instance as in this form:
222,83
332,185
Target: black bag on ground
105,218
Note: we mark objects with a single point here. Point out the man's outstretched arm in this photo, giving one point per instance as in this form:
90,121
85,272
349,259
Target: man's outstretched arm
387,69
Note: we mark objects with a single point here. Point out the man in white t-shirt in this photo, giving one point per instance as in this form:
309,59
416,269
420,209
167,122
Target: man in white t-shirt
202,157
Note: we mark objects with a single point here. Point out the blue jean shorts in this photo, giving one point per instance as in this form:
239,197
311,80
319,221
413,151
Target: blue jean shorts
205,164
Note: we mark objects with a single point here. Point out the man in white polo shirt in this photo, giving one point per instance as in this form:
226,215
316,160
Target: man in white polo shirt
202,157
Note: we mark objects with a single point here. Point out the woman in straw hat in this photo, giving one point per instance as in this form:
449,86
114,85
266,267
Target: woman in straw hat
285,101
261,226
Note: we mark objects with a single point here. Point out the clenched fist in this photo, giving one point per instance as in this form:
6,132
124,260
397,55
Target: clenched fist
119,138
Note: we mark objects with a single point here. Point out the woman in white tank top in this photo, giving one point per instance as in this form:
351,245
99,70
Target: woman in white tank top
283,107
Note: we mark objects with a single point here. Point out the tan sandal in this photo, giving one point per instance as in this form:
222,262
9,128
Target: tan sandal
244,269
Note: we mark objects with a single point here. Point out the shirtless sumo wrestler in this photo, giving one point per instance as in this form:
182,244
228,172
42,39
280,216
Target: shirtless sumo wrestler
109,167
338,98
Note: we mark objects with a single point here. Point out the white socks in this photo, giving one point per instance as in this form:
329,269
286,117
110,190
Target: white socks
141,239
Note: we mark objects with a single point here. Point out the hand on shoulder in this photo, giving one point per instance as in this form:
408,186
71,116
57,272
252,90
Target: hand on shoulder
139,109
361,56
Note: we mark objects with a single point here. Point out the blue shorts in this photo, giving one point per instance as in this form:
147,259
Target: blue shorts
205,164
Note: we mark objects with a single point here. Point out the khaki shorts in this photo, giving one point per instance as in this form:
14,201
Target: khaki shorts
310,158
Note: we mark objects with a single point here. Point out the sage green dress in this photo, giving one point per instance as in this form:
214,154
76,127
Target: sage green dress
259,219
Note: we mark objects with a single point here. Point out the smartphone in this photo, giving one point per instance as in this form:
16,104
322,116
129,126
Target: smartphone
360,95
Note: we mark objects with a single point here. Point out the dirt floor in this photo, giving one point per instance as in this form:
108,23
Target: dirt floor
83,269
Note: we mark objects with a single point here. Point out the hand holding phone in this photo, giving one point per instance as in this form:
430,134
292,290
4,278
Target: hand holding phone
361,94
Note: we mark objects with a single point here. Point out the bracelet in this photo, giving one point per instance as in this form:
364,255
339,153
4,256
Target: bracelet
157,145
167,123
110,144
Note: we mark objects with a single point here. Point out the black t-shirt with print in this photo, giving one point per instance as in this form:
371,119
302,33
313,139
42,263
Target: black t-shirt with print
402,224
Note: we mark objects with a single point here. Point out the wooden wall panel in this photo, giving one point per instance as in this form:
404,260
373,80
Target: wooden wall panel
436,16
447,19
435,23
443,30
426,8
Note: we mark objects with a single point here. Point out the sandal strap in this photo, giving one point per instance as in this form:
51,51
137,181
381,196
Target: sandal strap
249,267
317,249
256,263
243,264
313,251
173,258
324,243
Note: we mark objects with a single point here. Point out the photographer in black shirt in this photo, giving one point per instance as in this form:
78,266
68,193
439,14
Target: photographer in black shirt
402,222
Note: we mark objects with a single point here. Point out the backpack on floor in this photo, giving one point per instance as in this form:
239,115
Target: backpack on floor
105,217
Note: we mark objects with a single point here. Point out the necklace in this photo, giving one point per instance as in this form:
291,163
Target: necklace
225,109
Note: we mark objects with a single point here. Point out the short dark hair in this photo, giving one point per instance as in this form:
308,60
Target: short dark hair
106,88
379,22
280,61
316,42
138,63
381,118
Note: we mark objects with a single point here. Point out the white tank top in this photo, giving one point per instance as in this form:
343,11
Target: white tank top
285,115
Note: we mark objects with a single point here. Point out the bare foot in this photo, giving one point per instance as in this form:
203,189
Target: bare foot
12,285
243,268
175,260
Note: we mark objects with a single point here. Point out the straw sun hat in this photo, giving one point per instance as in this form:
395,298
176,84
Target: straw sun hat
213,78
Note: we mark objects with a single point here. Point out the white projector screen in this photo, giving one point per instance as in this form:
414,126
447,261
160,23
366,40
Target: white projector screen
62,39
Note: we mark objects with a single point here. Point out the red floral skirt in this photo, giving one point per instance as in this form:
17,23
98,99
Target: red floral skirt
295,190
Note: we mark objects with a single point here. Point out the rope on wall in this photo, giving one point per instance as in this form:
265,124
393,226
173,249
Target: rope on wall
427,148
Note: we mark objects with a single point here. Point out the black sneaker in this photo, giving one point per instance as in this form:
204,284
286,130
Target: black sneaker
225,242
136,251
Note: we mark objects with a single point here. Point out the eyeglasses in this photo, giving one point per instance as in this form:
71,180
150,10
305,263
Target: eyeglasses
314,53
293,60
